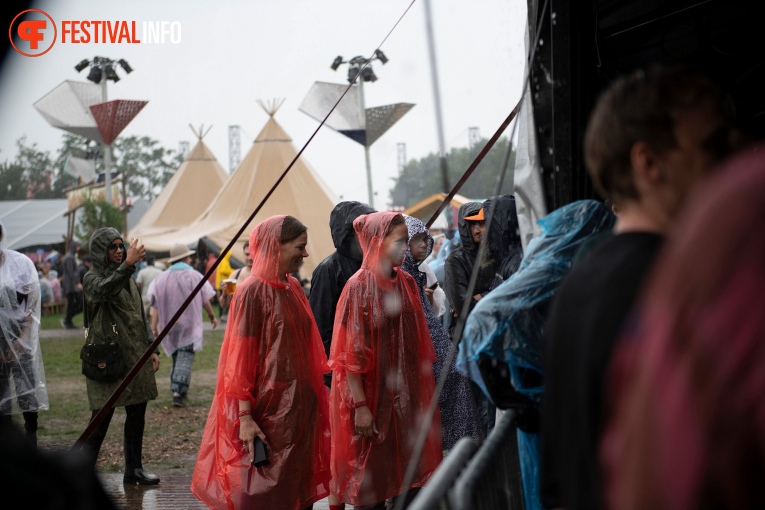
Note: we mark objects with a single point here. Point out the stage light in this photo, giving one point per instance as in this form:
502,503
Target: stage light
110,73
368,74
338,60
82,65
95,74
381,56
125,65
353,71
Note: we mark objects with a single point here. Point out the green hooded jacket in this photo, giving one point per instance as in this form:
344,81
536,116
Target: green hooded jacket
111,296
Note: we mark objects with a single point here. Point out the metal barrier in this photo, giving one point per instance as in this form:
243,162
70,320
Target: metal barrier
436,493
478,478
492,479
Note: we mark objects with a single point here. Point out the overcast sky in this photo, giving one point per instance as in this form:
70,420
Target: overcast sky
235,52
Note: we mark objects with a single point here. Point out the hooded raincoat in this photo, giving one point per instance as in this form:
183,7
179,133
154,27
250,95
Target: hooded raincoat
22,376
459,264
381,332
507,324
272,356
332,273
459,416
112,297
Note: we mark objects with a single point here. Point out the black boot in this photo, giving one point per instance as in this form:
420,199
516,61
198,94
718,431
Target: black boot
134,473
30,426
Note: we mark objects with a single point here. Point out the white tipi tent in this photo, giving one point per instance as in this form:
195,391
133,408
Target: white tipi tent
301,194
186,196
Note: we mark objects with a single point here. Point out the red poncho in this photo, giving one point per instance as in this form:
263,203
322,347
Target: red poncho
380,331
271,355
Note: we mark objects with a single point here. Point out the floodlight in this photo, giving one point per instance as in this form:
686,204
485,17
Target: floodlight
110,73
368,74
95,74
338,60
381,56
353,71
82,65
125,65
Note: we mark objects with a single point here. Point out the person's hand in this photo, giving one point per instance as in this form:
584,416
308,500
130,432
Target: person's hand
429,295
214,322
155,331
248,429
155,361
477,297
365,422
79,287
135,252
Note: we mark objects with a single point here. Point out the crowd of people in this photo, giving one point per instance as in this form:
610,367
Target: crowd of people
625,335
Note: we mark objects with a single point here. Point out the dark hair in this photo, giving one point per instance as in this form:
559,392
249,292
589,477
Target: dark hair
640,107
150,260
395,222
291,229
246,244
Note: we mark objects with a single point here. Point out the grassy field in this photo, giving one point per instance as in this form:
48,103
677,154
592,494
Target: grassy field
172,435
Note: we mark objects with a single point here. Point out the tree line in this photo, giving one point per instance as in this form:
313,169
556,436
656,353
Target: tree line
422,178
34,173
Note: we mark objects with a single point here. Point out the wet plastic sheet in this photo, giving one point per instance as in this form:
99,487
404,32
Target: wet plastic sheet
272,355
22,377
507,324
380,331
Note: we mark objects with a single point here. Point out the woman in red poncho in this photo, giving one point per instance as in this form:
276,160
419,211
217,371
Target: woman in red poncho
382,357
269,384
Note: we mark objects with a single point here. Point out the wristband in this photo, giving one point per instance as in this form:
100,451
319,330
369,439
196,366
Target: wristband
362,403
245,412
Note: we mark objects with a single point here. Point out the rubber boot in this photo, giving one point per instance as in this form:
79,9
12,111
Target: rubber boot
30,426
134,473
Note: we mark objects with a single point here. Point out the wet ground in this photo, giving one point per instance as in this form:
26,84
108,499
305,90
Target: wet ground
173,493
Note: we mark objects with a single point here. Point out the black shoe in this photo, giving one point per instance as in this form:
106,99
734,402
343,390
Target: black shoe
179,401
140,477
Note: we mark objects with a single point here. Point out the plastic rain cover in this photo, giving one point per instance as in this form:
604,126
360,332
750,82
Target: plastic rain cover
507,324
22,377
271,355
380,331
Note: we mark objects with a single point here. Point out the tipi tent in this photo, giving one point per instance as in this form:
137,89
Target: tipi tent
301,194
187,195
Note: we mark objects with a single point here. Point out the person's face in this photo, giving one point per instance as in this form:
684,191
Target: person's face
247,258
115,252
703,138
292,254
437,245
395,244
476,230
418,247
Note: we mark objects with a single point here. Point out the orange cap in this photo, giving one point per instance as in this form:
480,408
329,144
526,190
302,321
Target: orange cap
476,217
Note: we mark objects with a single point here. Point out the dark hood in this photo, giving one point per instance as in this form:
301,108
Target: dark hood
341,225
73,248
99,242
466,237
504,236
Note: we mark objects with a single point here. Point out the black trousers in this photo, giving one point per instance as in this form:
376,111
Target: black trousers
135,422
73,306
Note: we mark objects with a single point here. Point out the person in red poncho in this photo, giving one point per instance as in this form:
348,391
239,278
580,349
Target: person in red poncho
270,384
382,357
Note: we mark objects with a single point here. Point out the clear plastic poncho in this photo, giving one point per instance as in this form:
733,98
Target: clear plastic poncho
507,324
271,355
380,332
22,377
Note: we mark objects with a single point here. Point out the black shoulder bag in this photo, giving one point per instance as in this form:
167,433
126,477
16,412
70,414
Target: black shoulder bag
101,356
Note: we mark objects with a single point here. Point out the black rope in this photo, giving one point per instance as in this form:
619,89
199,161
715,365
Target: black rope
457,332
98,418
